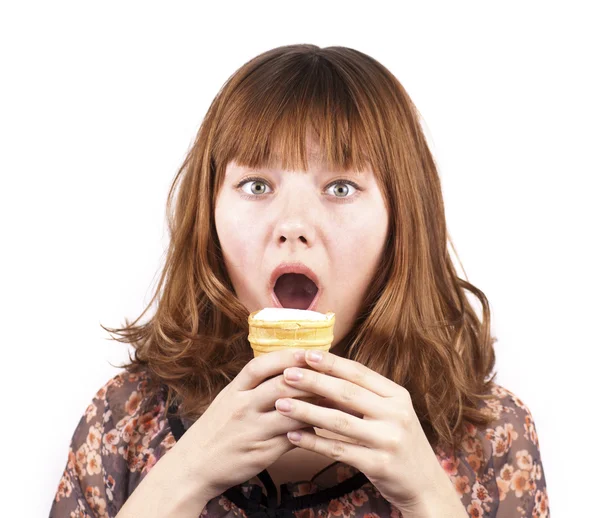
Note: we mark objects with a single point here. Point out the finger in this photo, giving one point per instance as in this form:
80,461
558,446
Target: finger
336,421
327,403
344,393
308,429
261,367
351,370
352,454
279,424
275,388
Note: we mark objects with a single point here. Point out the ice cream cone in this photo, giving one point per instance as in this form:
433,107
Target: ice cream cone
271,335
266,336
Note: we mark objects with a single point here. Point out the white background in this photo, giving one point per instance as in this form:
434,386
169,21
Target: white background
99,104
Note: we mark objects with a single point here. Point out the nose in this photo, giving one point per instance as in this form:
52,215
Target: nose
294,233
295,223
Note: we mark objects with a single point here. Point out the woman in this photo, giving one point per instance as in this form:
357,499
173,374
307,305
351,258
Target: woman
313,157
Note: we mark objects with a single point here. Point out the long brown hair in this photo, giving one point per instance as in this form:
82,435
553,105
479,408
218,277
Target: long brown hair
416,326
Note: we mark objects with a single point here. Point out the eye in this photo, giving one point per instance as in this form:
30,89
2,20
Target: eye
255,187
341,188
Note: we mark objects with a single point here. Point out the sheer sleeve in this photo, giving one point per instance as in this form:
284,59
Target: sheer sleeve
120,437
517,465
82,489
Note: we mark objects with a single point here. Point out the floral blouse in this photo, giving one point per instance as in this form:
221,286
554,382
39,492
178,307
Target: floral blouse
125,430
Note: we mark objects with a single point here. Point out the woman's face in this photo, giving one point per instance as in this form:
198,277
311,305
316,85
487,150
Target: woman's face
311,217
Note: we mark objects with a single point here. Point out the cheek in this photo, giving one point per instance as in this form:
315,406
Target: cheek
233,232
236,231
358,247
361,236
233,236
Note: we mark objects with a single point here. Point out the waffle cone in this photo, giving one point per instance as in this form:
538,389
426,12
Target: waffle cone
268,336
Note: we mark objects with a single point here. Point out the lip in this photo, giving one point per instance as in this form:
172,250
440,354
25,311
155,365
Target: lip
295,267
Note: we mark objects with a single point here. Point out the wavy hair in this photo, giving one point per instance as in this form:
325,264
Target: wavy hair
416,325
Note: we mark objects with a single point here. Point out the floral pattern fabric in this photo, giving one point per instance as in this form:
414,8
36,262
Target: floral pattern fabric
124,432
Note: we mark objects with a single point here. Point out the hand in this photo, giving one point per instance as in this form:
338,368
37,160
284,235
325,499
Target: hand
241,433
389,445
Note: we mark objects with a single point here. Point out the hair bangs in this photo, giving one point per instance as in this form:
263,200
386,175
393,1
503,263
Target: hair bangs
294,116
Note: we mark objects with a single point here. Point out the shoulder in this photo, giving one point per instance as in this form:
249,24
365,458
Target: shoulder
505,456
512,420
120,437
130,412
125,395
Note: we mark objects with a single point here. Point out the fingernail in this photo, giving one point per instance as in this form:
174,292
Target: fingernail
294,436
315,356
283,404
292,374
299,355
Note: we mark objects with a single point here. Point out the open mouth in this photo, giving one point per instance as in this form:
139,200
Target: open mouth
295,291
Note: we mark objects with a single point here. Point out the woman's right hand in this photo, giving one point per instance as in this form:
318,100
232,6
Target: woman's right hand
241,433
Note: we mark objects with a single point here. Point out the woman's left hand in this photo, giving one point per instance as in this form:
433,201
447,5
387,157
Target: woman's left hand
390,446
